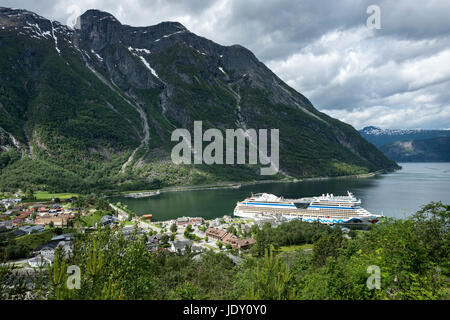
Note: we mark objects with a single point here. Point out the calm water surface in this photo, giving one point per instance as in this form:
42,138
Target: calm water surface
396,194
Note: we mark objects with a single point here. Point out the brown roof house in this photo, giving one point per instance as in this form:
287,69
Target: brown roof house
229,238
60,220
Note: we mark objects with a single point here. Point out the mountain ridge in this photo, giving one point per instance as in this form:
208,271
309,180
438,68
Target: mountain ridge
380,137
435,149
98,104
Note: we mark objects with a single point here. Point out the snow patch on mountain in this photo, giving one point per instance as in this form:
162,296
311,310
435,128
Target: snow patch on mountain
148,66
97,55
56,39
389,132
169,35
221,69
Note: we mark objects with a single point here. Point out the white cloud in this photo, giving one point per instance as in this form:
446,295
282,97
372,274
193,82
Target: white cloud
345,75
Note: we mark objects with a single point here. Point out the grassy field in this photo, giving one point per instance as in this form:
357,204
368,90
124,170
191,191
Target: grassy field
89,220
21,247
296,247
44,195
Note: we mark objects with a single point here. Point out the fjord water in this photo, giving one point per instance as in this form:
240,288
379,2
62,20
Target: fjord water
396,194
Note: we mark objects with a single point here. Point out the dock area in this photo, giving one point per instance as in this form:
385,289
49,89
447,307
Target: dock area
142,194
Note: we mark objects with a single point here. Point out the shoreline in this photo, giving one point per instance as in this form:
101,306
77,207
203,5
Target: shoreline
236,185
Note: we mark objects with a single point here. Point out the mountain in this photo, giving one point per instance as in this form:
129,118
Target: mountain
426,150
381,137
94,107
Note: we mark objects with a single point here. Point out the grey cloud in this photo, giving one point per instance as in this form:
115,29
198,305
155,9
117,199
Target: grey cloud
321,48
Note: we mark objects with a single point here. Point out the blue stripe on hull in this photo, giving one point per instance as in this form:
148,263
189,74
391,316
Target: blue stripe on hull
269,204
323,207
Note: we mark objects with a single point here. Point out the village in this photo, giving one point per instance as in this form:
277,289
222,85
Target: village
58,220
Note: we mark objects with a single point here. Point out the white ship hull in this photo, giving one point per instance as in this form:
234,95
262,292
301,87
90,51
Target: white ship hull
310,218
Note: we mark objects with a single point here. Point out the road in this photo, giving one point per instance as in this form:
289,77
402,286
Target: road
122,214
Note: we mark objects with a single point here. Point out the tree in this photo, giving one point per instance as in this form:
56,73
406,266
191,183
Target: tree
131,216
228,246
165,238
173,228
52,224
271,280
219,244
327,245
232,229
29,195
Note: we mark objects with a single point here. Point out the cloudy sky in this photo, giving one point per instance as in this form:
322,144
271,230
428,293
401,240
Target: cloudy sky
394,77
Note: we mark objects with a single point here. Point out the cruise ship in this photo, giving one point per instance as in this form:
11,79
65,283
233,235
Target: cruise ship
328,209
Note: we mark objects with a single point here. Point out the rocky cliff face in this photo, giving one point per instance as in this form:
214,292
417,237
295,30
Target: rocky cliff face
422,150
99,103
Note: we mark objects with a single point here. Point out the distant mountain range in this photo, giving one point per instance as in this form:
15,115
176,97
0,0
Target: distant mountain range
94,107
410,145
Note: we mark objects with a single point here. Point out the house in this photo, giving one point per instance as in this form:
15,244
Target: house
47,251
155,238
183,221
7,203
18,221
6,225
40,261
128,230
180,245
43,210
215,233
65,247
19,233
196,249
186,220
238,243
25,214
244,244
32,229
62,241
147,217
107,220
62,237
152,247
229,238
60,220
197,221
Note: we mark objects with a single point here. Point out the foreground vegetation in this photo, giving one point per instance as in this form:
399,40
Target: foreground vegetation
412,255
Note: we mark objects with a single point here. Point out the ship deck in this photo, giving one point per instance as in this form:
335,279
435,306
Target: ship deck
323,213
